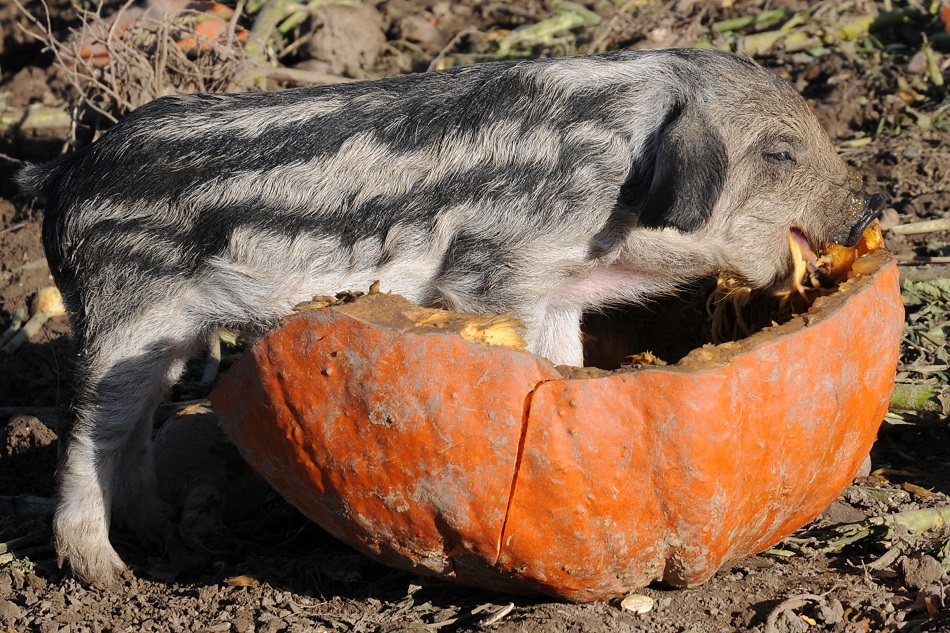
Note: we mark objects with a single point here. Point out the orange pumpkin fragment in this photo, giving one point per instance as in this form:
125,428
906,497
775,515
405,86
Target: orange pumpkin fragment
487,466
836,260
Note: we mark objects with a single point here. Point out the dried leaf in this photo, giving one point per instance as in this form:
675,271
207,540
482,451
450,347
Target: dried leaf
922,292
242,580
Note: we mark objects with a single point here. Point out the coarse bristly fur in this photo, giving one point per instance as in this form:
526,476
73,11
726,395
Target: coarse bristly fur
547,187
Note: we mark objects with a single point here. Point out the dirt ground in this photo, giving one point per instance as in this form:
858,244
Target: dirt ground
879,91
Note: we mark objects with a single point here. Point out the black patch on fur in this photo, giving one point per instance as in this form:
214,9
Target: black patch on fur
683,184
473,264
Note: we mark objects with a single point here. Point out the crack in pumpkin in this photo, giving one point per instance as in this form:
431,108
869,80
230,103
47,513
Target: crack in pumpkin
525,412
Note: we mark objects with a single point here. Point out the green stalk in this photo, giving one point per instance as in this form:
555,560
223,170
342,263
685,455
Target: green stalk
35,118
921,398
737,24
267,20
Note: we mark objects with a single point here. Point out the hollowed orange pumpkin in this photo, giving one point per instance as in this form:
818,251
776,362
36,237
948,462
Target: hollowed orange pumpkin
485,465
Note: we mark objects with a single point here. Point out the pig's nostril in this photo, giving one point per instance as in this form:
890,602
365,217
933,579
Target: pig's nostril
871,209
874,202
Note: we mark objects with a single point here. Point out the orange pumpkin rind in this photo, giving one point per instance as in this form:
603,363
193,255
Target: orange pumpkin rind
485,465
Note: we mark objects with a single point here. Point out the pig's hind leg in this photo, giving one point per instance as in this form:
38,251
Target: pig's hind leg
124,368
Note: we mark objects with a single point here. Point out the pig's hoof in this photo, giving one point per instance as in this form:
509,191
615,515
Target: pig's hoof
99,568
90,555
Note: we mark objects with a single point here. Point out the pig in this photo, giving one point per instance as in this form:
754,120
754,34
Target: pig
547,187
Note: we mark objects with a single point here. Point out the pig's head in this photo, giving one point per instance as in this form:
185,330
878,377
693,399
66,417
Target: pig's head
741,162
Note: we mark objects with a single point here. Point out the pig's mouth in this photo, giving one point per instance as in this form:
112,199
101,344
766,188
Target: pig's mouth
811,257
865,209
868,207
811,264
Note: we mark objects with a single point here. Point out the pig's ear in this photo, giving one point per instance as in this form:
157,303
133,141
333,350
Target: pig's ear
679,187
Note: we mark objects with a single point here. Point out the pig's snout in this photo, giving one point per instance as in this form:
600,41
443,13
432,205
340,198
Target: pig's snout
868,207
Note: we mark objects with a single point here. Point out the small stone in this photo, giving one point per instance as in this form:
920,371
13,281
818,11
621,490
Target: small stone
29,596
442,10
315,66
788,622
919,572
37,583
273,626
10,612
24,433
917,64
349,38
416,28
842,512
890,218
930,599
831,613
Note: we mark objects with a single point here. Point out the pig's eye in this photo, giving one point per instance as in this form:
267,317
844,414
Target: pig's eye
779,157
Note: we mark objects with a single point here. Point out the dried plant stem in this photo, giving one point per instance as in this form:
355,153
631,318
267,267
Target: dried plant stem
916,521
19,318
438,62
787,606
25,333
924,226
737,24
213,362
118,64
795,37
34,119
232,24
296,75
47,415
921,398
922,261
569,15
267,20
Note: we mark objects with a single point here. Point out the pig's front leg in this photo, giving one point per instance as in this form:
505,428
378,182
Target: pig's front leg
556,335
